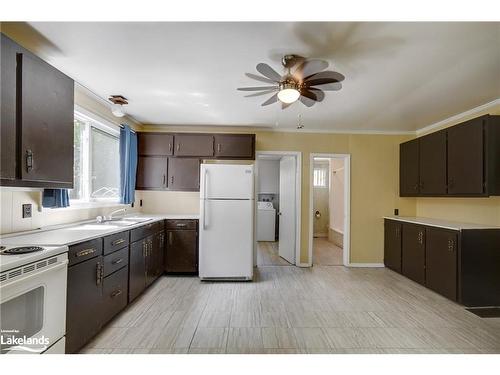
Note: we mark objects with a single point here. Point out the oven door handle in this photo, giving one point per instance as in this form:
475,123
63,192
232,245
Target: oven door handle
36,274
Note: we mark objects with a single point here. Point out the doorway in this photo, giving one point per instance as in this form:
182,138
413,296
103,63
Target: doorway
278,180
330,209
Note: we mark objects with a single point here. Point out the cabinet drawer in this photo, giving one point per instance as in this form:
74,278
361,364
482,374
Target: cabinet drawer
85,250
115,290
115,242
181,224
145,231
115,261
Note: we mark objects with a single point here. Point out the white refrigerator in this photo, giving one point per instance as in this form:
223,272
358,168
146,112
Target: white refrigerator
227,212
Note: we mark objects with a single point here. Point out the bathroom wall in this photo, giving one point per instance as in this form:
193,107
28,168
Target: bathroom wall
336,229
320,202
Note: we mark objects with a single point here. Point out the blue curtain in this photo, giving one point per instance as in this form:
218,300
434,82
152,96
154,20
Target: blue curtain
128,164
55,198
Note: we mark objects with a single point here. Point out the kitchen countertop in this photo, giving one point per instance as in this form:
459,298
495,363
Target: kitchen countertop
83,231
453,225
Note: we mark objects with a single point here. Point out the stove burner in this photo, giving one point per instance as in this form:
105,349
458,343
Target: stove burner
22,250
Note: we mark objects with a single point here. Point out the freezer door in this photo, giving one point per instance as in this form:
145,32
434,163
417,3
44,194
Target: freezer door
227,181
226,239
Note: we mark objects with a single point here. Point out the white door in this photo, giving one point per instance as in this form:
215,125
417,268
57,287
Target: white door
287,218
226,181
226,239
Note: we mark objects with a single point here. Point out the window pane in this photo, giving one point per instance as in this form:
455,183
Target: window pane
320,177
105,166
77,191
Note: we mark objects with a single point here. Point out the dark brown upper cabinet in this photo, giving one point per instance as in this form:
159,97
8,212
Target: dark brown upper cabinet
152,173
235,146
392,244
466,158
432,162
441,247
196,145
409,182
155,144
8,108
413,252
184,174
43,122
461,161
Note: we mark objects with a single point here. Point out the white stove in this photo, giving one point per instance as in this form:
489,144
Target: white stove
33,298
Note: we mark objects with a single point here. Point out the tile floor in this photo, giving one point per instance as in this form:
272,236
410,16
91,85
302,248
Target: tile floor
297,310
267,254
326,253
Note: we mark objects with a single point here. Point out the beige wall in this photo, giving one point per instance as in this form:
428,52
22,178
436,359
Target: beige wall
471,210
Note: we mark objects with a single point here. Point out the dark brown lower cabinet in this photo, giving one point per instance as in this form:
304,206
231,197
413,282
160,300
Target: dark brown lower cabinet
441,261
137,269
392,245
83,306
182,247
115,288
413,252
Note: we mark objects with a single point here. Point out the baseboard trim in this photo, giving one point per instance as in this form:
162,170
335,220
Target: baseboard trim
366,265
304,265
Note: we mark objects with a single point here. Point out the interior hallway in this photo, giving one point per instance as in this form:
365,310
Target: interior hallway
326,253
297,310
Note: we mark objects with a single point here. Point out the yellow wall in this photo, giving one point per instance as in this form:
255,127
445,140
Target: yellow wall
469,210
374,180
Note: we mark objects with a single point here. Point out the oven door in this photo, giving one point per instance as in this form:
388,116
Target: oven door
33,306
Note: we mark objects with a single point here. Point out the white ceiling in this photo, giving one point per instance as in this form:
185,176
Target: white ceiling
399,76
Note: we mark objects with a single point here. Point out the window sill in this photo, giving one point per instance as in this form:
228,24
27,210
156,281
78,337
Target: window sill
86,206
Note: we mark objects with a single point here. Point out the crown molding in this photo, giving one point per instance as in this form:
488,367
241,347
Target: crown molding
456,118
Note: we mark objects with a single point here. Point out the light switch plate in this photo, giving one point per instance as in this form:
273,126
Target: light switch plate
27,209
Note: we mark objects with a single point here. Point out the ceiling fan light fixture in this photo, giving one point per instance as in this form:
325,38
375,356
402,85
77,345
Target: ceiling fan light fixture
117,110
288,93
117,107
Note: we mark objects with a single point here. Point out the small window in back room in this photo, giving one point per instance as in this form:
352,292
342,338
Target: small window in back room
96,161
319,177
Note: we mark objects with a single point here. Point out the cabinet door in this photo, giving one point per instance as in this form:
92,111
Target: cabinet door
200,145
8,108
413,252
152,173
465,158
441,261
432,157
182,251
238,146
184,174
150,260
155,144
409,169
47,122
392,245
157,254
83,306
137,269
115,290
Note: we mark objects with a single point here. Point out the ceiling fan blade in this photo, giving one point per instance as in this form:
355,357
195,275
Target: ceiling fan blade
268,72
326,74
309,67
259,78
257,88
306,101
320,95
260,93
309,94
271,100
320,81
331,86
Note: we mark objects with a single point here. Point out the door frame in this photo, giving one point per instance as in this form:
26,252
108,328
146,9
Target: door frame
298,198
346,251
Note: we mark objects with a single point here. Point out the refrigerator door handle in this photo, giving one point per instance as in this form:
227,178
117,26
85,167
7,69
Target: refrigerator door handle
205,200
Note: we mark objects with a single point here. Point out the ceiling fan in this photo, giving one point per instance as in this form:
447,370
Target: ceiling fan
300,81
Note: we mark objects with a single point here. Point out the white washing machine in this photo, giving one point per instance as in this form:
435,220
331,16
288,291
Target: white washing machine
266,221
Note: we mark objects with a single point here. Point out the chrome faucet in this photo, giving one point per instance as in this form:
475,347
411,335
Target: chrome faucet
101,219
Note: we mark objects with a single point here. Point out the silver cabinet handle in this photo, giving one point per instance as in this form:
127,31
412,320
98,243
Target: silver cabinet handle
171,180
116,293
164,180
178,146
98,273
29,160
118,261
84,252
451,245
117,242
218,147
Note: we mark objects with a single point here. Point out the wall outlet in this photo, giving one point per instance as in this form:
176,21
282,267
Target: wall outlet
396,212
27,209
140,203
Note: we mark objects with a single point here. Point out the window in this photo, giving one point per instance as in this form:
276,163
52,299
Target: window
96,160
320,177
